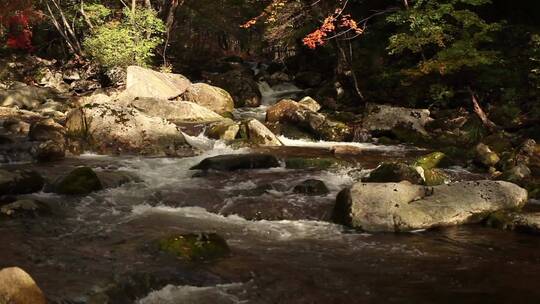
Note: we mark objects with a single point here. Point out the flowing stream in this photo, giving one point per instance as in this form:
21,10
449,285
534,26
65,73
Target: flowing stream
101,248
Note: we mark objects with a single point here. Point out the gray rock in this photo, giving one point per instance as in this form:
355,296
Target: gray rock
224,130
386,118
526,222
405,207
143,82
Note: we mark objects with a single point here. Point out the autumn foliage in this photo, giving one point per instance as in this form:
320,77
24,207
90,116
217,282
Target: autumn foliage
16,19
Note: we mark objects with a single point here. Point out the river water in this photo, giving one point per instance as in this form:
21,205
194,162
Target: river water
101,248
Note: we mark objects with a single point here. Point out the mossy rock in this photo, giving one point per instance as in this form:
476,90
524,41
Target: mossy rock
196,246
435,177
319,163
430,161
394,172
501,220
229,115
82,180
406,135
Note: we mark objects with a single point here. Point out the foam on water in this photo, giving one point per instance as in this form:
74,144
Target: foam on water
329,144
271,230
218,294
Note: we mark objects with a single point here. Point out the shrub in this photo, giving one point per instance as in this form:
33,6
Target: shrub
129,41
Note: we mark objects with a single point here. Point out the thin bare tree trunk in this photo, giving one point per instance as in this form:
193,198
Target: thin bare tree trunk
85,17
68,30
490,125
72,47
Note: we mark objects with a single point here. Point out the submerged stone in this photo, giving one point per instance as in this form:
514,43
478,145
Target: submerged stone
201,246
311,187
233,162
82,180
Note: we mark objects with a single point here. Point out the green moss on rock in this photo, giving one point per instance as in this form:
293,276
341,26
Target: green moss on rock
82,180
195,247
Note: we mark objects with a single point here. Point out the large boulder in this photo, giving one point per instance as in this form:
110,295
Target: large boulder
175,111
260,135
142,82
211,97
18,287
283,111
386,118
110,128
234,162
241,85
20,182
405,207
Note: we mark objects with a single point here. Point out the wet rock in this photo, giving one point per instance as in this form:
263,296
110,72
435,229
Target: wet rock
291,131
311,187
387,118
346,150
404,207
116,178
211,97
526,222
110,129
319,163
147,83
289,111
224,130
332,130
394,172
241,86
196,247
283,111
16,126
260,135
485,156
52,144
175,111
18,287
82,180
20,182
25,207
237,162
